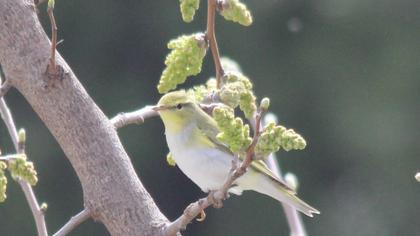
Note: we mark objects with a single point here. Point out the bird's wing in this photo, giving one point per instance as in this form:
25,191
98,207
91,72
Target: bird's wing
261,167
211,130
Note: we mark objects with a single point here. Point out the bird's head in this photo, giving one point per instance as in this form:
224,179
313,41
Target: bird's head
177,110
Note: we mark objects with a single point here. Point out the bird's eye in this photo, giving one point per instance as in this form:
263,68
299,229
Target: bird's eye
179,106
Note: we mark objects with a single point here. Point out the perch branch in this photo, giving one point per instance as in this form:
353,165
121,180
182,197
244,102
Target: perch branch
136,117
73,223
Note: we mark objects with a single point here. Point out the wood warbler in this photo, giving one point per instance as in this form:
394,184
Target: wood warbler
191,137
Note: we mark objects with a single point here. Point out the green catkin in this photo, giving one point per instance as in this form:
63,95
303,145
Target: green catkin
170,159
233,131
50,4
236,11
21,168
237,90
185,59
275,137
3,182
188,9
200,92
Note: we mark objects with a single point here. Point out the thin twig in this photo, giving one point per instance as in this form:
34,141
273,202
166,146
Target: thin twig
257,133
8,121
211,36
135,117
37,213
293,217
73,222
52,67
5,87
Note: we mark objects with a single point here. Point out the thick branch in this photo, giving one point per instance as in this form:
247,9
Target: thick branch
111,188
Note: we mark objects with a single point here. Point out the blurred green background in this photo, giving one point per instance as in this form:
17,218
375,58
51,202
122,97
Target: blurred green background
344,73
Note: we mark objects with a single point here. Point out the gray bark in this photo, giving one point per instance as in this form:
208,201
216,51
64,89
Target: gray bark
112,190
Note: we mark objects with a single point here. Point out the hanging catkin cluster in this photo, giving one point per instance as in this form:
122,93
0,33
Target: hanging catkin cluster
188,9
275,137
233,131
236,11
21,168
185,60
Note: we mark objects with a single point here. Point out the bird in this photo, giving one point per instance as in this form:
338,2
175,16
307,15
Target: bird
191,137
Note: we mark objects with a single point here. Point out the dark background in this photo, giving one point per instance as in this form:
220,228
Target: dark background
343,73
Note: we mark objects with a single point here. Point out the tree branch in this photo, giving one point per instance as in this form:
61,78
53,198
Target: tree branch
111,189
37,213
73,223
136,117
5,87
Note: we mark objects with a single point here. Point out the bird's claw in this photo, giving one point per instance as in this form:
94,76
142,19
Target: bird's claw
202,216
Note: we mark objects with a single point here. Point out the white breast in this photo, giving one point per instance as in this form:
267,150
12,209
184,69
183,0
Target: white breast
206,167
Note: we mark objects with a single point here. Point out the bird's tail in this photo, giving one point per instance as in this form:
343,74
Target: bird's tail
269,187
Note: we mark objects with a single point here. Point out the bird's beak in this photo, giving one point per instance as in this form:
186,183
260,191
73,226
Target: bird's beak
159,108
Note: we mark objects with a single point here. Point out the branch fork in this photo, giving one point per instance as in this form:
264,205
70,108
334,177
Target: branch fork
5,87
